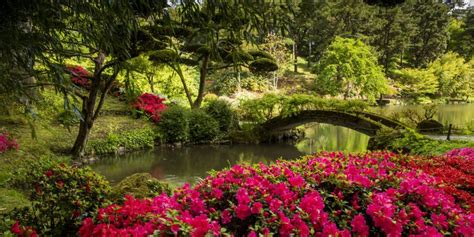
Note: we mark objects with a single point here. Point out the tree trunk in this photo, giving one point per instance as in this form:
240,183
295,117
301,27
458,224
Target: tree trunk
177,68
89,112
295,58
202,81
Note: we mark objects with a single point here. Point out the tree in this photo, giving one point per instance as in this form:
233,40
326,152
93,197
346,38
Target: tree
349,67
416,83
430,39
392,34
276,47
210,36
455,76
108,33
461,35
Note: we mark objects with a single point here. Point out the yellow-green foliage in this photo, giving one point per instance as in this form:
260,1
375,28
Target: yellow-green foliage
140,185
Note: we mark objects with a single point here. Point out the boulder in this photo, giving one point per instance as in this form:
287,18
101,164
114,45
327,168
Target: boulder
140,185
429,126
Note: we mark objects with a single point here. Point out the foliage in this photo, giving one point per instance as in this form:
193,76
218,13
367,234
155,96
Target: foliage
272,105
414,143
455,76
461,37
174,124
226,82
430,37
349,67
129,140
7,142
417,84
325,194
61,197
202,126
151,104
80,76
140,185
221,111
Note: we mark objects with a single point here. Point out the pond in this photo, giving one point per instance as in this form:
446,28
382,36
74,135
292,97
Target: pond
189,164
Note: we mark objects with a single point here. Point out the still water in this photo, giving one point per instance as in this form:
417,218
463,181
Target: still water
189,164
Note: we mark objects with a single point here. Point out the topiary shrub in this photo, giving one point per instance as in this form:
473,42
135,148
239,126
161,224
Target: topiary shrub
140,185
221,111
202,127
61,197
173,125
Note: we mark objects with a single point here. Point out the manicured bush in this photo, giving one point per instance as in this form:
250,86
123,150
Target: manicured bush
140,185
328,194
173,125
80,76
151,104
7,142
130,140
61,197
221,111
202,127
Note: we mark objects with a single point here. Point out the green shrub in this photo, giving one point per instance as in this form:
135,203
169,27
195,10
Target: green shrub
173,125
61,197
221,111
140,185
202,127
226,83
130,140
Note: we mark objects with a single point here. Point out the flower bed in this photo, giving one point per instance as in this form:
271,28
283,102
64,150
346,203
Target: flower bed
327,194
151,104
7,143
80,76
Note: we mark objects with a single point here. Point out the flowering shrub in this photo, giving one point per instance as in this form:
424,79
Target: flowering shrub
467,152
151,104
455,171
61,197
80,76
7,143
329,194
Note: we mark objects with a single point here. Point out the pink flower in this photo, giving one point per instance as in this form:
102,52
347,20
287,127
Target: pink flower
242,211
359,226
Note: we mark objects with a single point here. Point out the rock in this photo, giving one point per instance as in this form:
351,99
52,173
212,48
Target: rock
121,151
140,185
429,126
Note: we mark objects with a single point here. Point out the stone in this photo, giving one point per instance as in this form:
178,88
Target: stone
429,126
140,185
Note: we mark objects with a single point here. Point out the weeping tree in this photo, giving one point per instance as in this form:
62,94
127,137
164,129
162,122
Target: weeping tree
210,36
108,33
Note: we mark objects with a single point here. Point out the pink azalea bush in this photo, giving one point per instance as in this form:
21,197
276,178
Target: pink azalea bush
7,143
467,152
80,76
151,104
329,194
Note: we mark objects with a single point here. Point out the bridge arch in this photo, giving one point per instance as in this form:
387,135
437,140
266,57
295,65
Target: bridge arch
366,123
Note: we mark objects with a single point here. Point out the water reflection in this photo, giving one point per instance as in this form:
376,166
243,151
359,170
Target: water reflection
190,163
458,114
327,137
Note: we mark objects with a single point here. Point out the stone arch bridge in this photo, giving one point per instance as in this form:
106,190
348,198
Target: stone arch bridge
364,122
